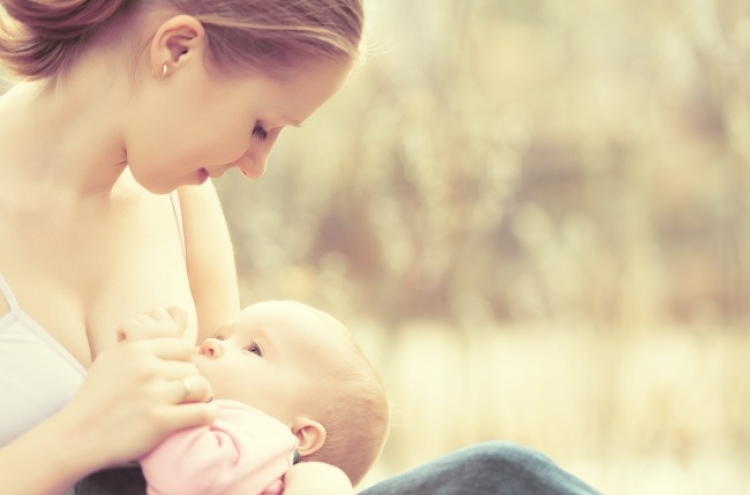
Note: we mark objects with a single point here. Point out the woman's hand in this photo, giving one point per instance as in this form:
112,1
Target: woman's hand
135,394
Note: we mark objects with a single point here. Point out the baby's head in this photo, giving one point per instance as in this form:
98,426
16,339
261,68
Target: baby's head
302,366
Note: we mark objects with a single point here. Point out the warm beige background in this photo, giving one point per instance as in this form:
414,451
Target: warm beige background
533,215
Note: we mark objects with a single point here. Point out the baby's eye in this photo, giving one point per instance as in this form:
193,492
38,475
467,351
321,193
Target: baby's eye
255,349
259,131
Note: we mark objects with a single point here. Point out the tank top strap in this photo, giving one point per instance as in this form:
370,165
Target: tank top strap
178,216
7,294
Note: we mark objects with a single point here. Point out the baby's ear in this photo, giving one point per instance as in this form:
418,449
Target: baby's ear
310,434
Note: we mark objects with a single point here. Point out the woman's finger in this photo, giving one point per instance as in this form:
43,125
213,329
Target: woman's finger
175,370
184,381
191,389
169,348
192,414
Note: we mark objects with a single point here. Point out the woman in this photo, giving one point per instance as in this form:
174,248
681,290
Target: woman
126,108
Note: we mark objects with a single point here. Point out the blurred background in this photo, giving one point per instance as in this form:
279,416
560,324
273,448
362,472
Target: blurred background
533,215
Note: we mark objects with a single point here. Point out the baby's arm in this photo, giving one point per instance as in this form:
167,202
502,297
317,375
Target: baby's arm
241,453
316,478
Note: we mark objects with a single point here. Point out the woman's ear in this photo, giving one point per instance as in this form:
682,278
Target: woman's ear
310,434
177,41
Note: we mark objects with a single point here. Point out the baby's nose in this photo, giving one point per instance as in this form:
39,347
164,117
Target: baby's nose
210,348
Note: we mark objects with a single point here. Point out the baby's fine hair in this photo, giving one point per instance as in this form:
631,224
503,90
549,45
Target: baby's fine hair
355,412
267,35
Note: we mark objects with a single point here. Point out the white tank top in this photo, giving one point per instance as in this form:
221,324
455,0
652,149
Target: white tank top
38,376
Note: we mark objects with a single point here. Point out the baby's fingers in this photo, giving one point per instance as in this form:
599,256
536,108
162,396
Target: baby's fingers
179,316
172,319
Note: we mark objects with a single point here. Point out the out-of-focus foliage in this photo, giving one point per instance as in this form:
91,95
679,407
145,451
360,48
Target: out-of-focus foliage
580,162
534,215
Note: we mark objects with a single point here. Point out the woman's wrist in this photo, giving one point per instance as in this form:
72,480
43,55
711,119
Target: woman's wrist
44,461
79,450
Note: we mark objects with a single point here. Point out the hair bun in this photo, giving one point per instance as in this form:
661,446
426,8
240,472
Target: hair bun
61,20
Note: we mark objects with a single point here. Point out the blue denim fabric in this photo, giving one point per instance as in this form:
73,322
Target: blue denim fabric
492,468
126,479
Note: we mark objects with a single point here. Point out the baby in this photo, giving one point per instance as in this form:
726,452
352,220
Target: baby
289,382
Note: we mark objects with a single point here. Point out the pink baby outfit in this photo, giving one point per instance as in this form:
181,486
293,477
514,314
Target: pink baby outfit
243,452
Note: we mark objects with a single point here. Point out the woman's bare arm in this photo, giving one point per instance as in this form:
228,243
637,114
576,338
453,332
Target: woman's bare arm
44,461
210,258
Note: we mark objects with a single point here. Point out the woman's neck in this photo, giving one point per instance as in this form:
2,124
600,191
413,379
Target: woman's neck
66,137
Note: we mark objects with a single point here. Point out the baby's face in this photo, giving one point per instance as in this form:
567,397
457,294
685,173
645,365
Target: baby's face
269,356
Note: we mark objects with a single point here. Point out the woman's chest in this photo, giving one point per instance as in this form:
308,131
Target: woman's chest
80,273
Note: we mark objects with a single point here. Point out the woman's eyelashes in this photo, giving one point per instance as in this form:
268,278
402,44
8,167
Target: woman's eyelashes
260,132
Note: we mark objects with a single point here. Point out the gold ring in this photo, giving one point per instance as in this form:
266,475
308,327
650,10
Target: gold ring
187,388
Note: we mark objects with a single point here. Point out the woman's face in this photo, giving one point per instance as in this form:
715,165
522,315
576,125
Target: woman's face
196,124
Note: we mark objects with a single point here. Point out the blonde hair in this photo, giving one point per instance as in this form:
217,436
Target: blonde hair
268,35
351,405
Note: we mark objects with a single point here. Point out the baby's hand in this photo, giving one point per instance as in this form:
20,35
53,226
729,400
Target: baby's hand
155,323
316,478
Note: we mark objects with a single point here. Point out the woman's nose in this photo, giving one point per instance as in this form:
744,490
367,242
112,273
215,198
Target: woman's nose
211,348
253,164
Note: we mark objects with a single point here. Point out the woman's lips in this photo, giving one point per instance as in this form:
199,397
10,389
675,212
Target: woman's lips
250,168
202,176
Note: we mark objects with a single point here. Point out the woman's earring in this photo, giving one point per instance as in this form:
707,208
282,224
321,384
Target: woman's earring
163,73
